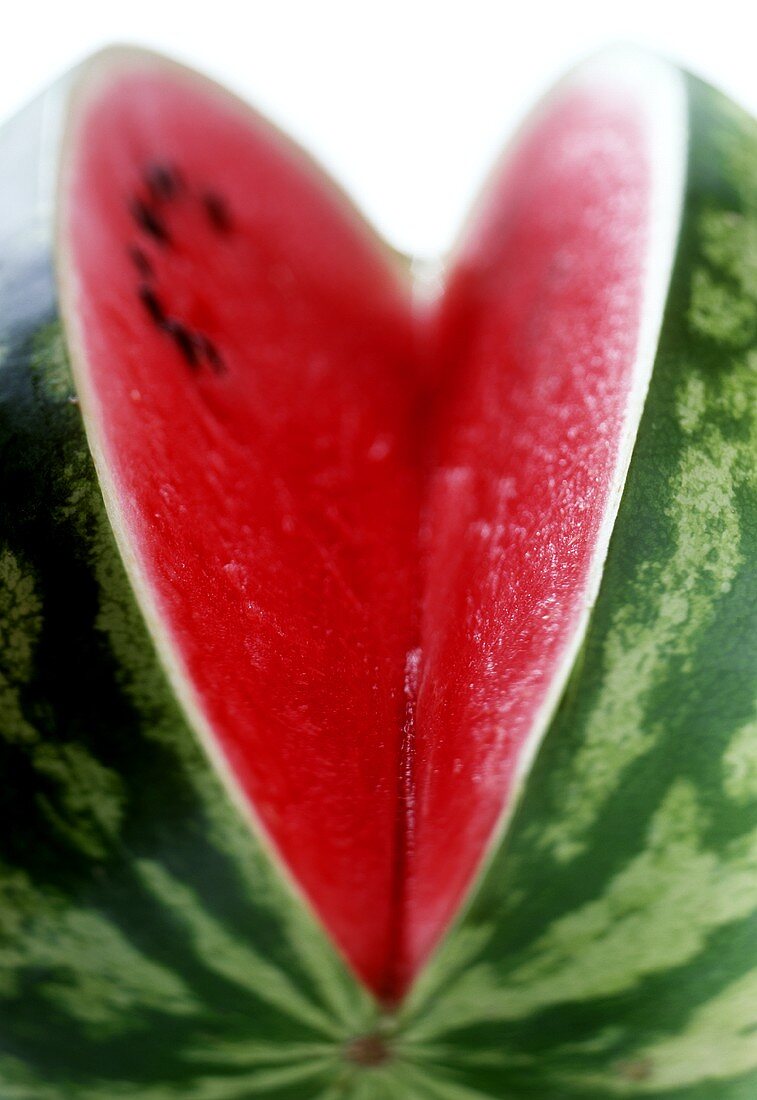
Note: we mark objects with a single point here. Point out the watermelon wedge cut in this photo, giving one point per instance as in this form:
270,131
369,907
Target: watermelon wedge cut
378,697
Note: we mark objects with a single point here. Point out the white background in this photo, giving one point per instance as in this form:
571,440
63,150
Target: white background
405,101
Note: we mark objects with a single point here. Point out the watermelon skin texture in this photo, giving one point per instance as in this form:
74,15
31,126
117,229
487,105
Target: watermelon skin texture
150,948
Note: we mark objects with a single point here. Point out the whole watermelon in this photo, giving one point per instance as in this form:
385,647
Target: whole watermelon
378,697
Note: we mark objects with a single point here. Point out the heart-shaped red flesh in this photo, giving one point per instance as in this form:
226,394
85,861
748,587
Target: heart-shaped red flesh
362,529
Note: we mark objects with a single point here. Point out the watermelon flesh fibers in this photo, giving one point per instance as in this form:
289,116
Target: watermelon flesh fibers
364,527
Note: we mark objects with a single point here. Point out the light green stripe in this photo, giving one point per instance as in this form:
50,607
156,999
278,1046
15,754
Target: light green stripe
225,955
719,1043
740,764
682,594
654,915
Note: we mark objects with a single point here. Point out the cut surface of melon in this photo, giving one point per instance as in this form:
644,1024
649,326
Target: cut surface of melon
364,534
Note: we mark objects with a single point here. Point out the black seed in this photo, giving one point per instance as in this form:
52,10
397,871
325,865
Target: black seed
151,302
211,353
217,211
150,221
141,262
163,181
185,341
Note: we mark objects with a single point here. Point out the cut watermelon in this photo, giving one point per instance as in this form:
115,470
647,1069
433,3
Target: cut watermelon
357,580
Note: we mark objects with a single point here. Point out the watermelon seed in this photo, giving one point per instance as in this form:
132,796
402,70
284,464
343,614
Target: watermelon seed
141,262
163,181
149,221
217,211
212,354
185,341
150,301
192,345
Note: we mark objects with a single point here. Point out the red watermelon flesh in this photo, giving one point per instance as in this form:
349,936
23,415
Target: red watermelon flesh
364,529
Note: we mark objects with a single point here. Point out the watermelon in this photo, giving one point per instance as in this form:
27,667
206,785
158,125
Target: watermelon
378,691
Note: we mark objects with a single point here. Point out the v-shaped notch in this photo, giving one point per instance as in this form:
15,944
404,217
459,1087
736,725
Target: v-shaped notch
365,534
